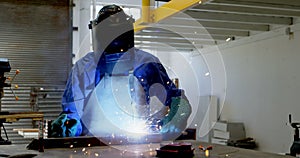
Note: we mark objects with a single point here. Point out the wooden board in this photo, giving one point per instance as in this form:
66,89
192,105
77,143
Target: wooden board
13,117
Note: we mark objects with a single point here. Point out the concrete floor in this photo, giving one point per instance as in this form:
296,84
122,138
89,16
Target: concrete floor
133,151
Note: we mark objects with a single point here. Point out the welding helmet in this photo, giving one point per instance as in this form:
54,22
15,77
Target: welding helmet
112,30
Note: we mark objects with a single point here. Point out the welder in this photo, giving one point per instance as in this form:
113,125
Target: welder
118,86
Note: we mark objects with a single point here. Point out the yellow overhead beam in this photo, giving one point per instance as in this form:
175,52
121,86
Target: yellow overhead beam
145,10
166,10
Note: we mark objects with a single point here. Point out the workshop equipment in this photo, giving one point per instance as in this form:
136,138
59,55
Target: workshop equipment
4,67
295,148
9,117
205,149
176,150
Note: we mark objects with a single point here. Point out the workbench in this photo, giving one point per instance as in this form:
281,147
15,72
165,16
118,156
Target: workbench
15,116
135,151
10,117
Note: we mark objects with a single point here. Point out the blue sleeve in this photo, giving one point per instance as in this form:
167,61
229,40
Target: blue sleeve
153,77
68,105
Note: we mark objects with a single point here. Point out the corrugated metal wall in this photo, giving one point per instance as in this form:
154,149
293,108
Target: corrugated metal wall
36,37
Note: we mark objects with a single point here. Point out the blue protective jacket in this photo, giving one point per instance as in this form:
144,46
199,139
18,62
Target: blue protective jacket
89,70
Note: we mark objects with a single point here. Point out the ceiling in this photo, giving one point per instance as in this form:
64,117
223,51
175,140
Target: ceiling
219,21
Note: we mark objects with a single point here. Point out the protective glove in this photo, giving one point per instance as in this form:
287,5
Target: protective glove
65,127
176,120
153,125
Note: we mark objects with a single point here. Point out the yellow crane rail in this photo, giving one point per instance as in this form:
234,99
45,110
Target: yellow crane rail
168,9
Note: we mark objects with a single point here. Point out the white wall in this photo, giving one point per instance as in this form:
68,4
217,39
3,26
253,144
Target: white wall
263,86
